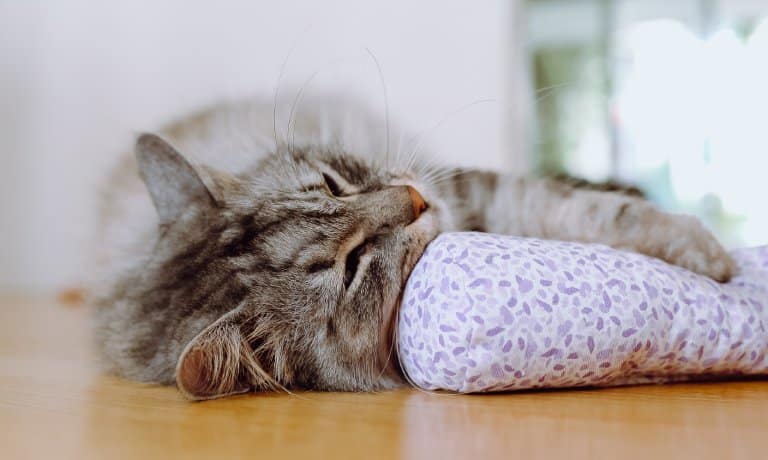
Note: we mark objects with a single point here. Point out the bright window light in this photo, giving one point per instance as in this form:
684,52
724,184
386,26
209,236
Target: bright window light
697,106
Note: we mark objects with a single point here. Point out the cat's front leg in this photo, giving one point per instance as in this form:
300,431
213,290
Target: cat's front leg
678,239
547,208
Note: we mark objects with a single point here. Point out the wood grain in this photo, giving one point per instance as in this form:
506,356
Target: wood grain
54,404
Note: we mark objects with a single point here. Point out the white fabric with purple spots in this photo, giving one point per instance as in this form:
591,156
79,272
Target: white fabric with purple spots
485,312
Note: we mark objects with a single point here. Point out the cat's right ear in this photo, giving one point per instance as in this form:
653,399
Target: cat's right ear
173,183
220,362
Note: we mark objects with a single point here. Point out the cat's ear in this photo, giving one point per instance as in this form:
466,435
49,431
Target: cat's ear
173,183
219,362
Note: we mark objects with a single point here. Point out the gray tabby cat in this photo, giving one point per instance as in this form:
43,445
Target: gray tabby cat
266,264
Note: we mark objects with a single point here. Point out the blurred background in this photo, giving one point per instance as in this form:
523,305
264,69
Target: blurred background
665,94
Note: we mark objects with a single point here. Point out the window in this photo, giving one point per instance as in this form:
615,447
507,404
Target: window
670,96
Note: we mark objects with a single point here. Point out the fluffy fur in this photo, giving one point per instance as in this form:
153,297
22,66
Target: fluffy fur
255,258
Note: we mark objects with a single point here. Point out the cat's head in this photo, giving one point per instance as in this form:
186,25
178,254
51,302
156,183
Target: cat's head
287,275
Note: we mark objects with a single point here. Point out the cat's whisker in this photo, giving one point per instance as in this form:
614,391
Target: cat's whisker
415,150
549,91
396,163
386,102
425,172
551,87
403,147
411,159
439,177
405,157
415,162
430,162
291,135
430,166
439,180
294,106
436,168
420,136
277,87
434,181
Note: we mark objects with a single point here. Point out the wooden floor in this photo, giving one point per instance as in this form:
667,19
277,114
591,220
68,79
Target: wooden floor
54,404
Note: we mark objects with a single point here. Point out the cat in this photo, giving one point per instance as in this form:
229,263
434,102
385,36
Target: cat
251,259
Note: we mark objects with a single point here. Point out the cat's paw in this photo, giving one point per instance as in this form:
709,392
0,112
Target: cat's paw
692,246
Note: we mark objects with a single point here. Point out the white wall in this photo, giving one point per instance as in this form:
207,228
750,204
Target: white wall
79,78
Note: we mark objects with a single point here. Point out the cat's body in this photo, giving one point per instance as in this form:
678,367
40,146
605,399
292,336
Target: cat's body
279,257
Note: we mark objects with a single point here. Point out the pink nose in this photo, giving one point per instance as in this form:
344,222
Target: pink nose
419,205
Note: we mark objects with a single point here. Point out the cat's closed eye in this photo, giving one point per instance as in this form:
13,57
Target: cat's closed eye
332,185
353,263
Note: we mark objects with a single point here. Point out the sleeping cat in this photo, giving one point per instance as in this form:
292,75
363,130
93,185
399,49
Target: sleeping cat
252,259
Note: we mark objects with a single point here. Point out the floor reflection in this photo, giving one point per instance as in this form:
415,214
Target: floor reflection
639,422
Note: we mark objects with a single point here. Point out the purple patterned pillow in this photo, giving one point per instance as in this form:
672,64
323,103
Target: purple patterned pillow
485,312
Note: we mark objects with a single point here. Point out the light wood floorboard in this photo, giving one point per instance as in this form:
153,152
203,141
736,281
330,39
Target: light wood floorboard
54,404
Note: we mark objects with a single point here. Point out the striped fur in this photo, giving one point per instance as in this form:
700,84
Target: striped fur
279,264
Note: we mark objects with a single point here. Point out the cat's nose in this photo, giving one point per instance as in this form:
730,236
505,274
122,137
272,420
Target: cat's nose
419,205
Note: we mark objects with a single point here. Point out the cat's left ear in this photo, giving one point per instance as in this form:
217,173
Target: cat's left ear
173,183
